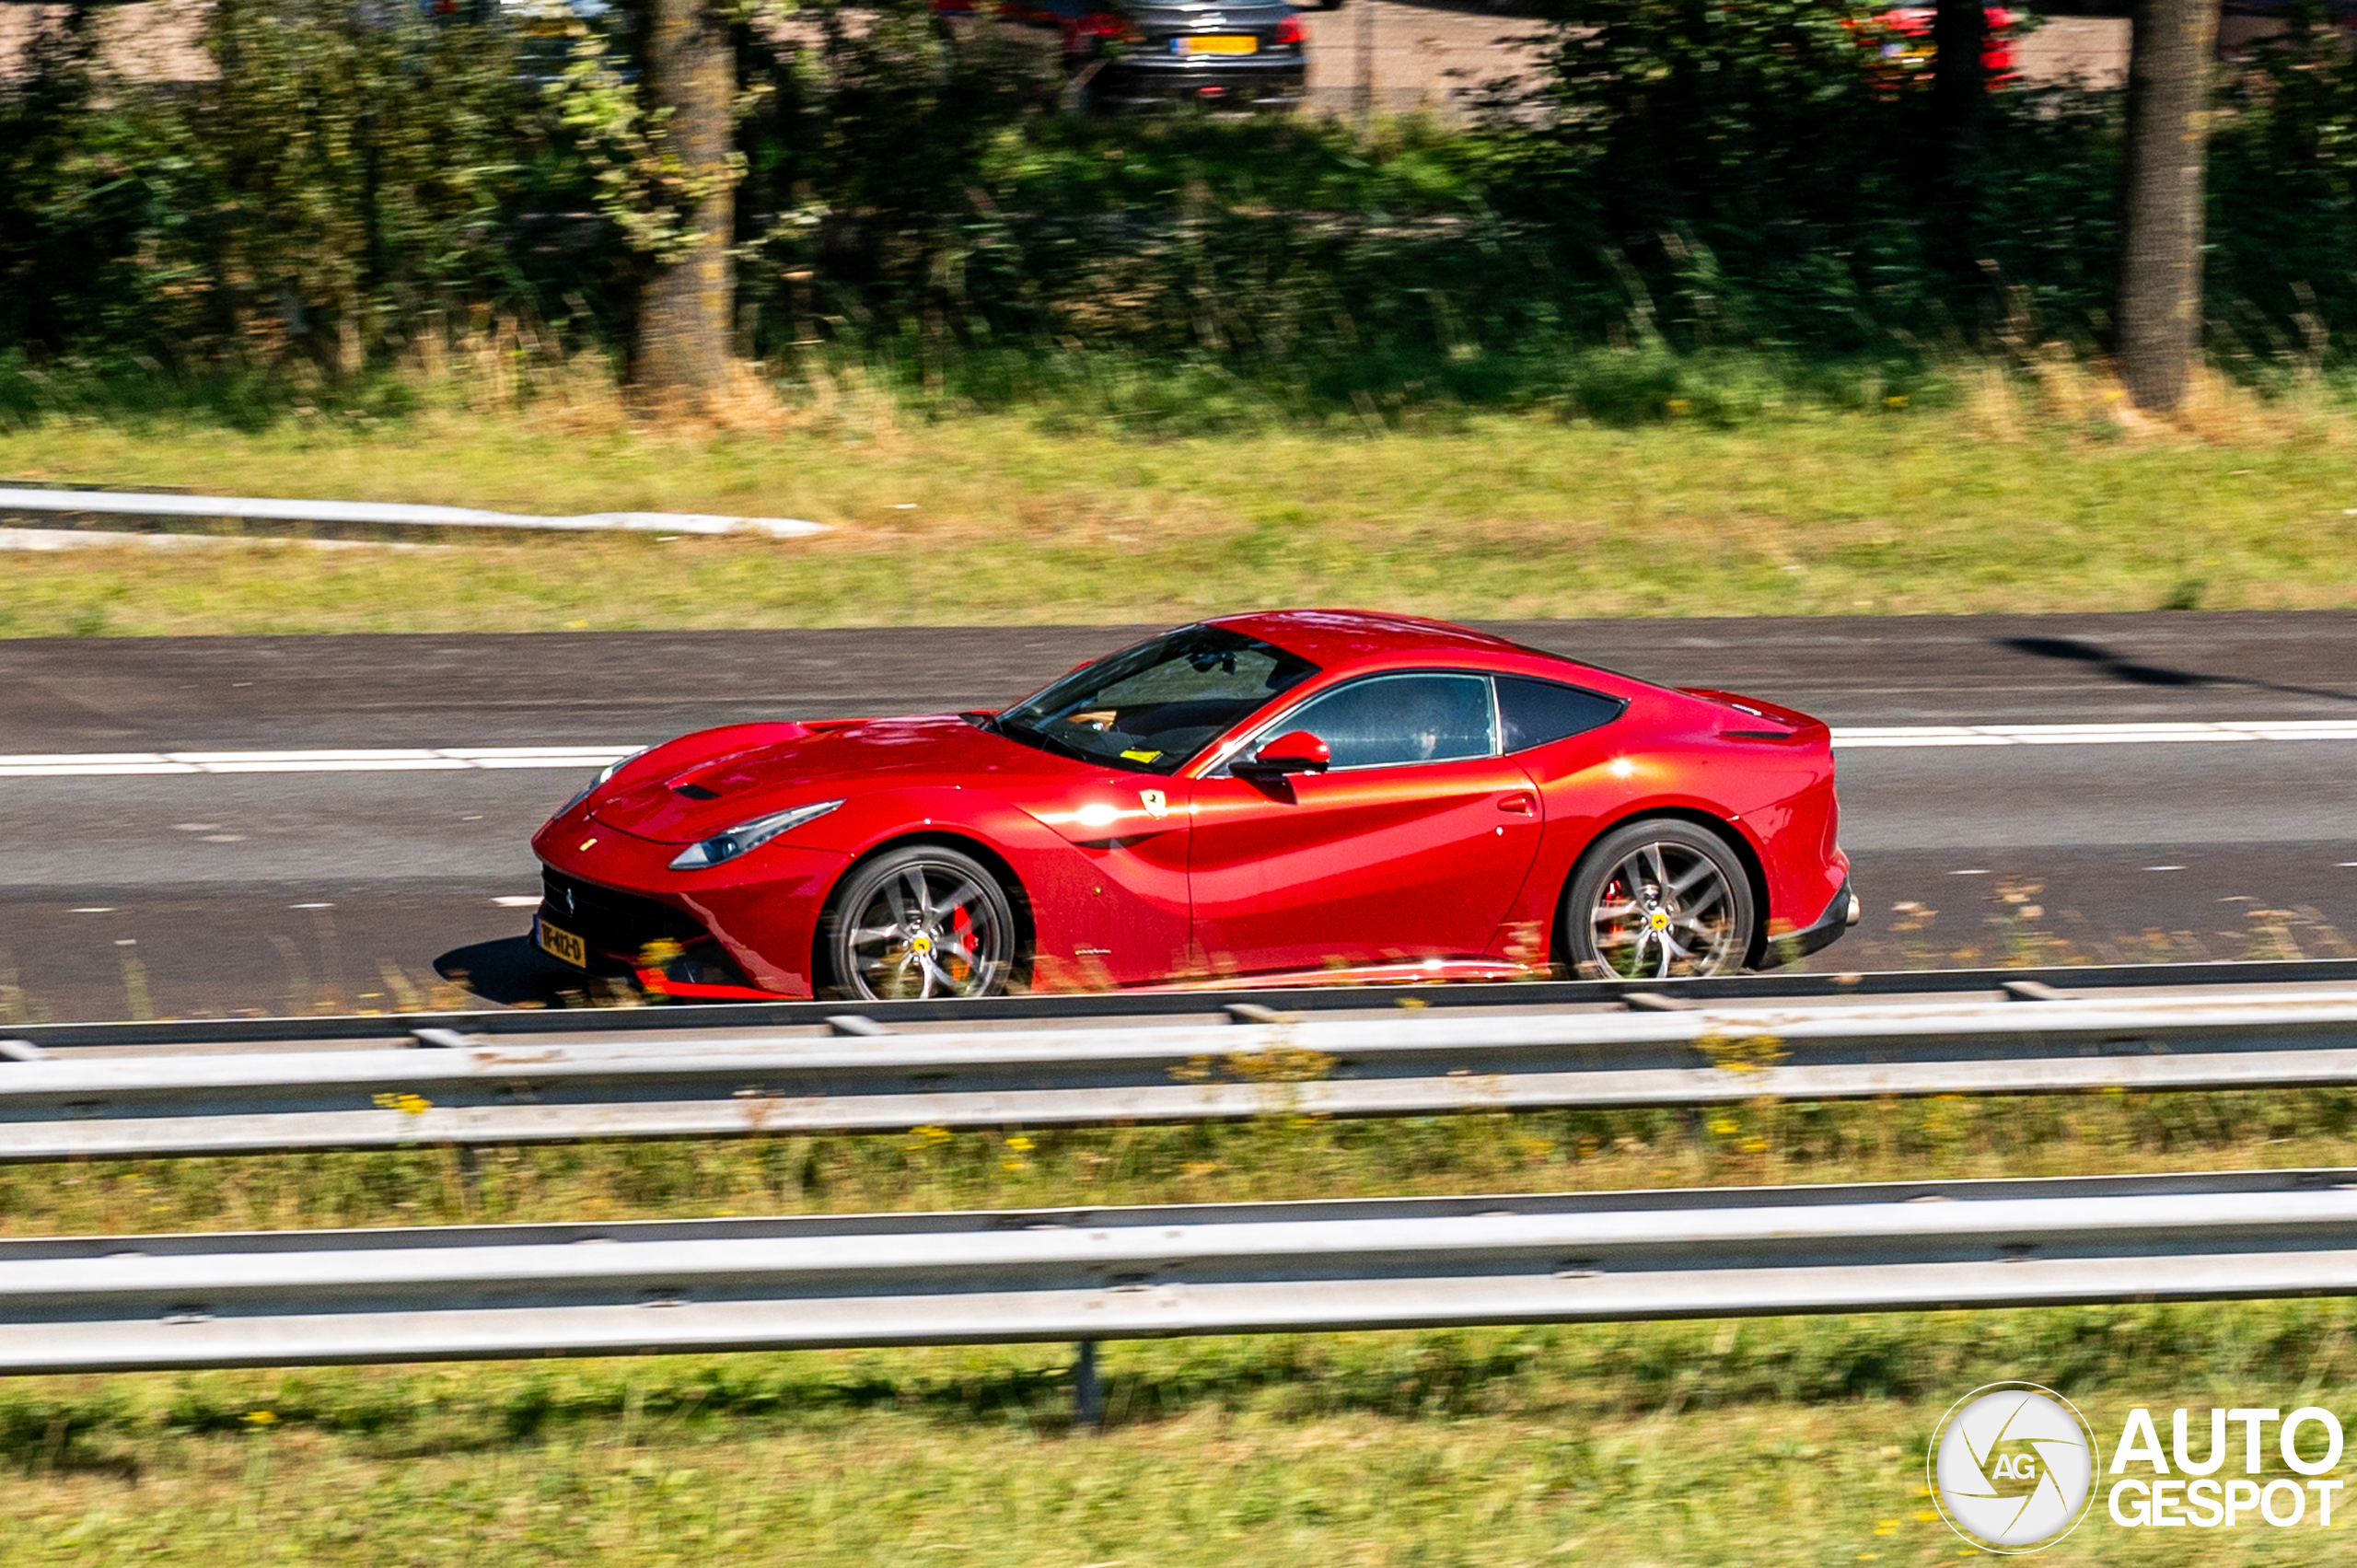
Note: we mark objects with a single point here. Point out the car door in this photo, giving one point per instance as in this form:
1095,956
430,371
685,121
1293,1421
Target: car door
1412,845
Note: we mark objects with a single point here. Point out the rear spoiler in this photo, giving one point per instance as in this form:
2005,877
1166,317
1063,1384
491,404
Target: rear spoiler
1776,721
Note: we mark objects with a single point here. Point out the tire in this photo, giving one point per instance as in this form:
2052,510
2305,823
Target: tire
875,946
1657,899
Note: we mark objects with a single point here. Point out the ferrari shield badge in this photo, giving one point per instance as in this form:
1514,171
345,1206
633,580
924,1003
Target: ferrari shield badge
1157,805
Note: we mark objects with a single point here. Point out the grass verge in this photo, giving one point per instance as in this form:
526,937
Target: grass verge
1994,504
1708,1445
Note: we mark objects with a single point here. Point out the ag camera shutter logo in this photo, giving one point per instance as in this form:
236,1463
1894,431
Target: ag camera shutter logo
2012,1467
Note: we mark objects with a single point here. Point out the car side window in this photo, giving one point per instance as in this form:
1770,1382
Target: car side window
1390,719
1536,712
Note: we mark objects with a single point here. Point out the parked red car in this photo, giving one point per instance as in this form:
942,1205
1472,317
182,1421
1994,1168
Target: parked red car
1279,797
1905,44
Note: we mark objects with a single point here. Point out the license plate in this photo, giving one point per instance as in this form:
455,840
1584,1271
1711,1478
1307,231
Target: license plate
564,944
1218,44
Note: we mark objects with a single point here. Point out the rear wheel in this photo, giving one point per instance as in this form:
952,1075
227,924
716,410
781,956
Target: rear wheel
1657,899
918,922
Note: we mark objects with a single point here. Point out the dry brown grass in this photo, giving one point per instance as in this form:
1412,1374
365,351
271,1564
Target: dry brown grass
2055,391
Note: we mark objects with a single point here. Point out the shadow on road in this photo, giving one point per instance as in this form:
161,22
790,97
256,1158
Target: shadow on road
2131,672
511,973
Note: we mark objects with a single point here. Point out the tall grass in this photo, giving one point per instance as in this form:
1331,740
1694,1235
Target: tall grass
1714,1446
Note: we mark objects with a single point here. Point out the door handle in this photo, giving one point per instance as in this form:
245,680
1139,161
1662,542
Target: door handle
1519,803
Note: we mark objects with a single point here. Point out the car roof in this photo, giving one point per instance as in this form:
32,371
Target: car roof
1345,641
1332,637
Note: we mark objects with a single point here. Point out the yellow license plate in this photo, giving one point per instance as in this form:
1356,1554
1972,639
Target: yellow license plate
1224,44
564,944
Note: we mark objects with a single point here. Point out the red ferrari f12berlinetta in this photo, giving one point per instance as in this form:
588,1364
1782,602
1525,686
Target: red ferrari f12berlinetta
1268,799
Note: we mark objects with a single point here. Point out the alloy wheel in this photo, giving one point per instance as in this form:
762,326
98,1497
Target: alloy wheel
926,927
1665,908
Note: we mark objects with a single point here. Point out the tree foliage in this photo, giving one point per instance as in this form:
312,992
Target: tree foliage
1690,176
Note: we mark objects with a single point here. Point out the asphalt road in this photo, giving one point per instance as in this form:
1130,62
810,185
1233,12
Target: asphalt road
183,894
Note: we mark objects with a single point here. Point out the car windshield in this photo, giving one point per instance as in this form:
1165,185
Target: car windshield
1154,706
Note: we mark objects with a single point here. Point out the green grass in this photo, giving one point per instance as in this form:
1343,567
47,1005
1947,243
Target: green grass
1709,1444
980,520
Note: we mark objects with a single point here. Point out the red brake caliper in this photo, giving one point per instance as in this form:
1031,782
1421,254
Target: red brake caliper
963,925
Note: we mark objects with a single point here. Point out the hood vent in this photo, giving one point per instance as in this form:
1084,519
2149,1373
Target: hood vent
695,792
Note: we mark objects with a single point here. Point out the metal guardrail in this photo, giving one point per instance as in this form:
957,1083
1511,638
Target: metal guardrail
864,1079
309,1297
216,1033
51,501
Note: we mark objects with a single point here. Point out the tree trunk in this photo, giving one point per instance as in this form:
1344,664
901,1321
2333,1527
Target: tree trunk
1959,86
684,306
2160,263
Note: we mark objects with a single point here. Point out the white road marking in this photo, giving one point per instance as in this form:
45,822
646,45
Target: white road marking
447,759
517,901
461,759
1857,739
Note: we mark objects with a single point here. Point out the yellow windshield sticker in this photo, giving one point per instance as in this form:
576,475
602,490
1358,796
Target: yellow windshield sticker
1140,756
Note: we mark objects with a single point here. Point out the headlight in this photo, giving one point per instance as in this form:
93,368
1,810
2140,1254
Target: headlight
609,770
750,835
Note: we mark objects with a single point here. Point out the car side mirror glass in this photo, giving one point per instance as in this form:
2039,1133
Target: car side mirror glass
1298,751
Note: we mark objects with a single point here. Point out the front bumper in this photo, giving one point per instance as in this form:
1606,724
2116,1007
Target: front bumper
743,931
1137,83
664,949
1825,930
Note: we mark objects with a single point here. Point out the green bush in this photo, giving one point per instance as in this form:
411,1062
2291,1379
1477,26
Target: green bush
1711,205
352,179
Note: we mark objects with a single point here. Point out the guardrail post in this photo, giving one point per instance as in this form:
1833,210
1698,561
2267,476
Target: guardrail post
1087,1389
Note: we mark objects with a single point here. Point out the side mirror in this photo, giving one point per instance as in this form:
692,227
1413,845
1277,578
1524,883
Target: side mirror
1295,752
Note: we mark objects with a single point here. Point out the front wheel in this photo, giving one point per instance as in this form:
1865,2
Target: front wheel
919,922
1659,899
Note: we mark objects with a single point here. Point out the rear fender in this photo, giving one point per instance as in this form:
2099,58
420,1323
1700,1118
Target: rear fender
1756,810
